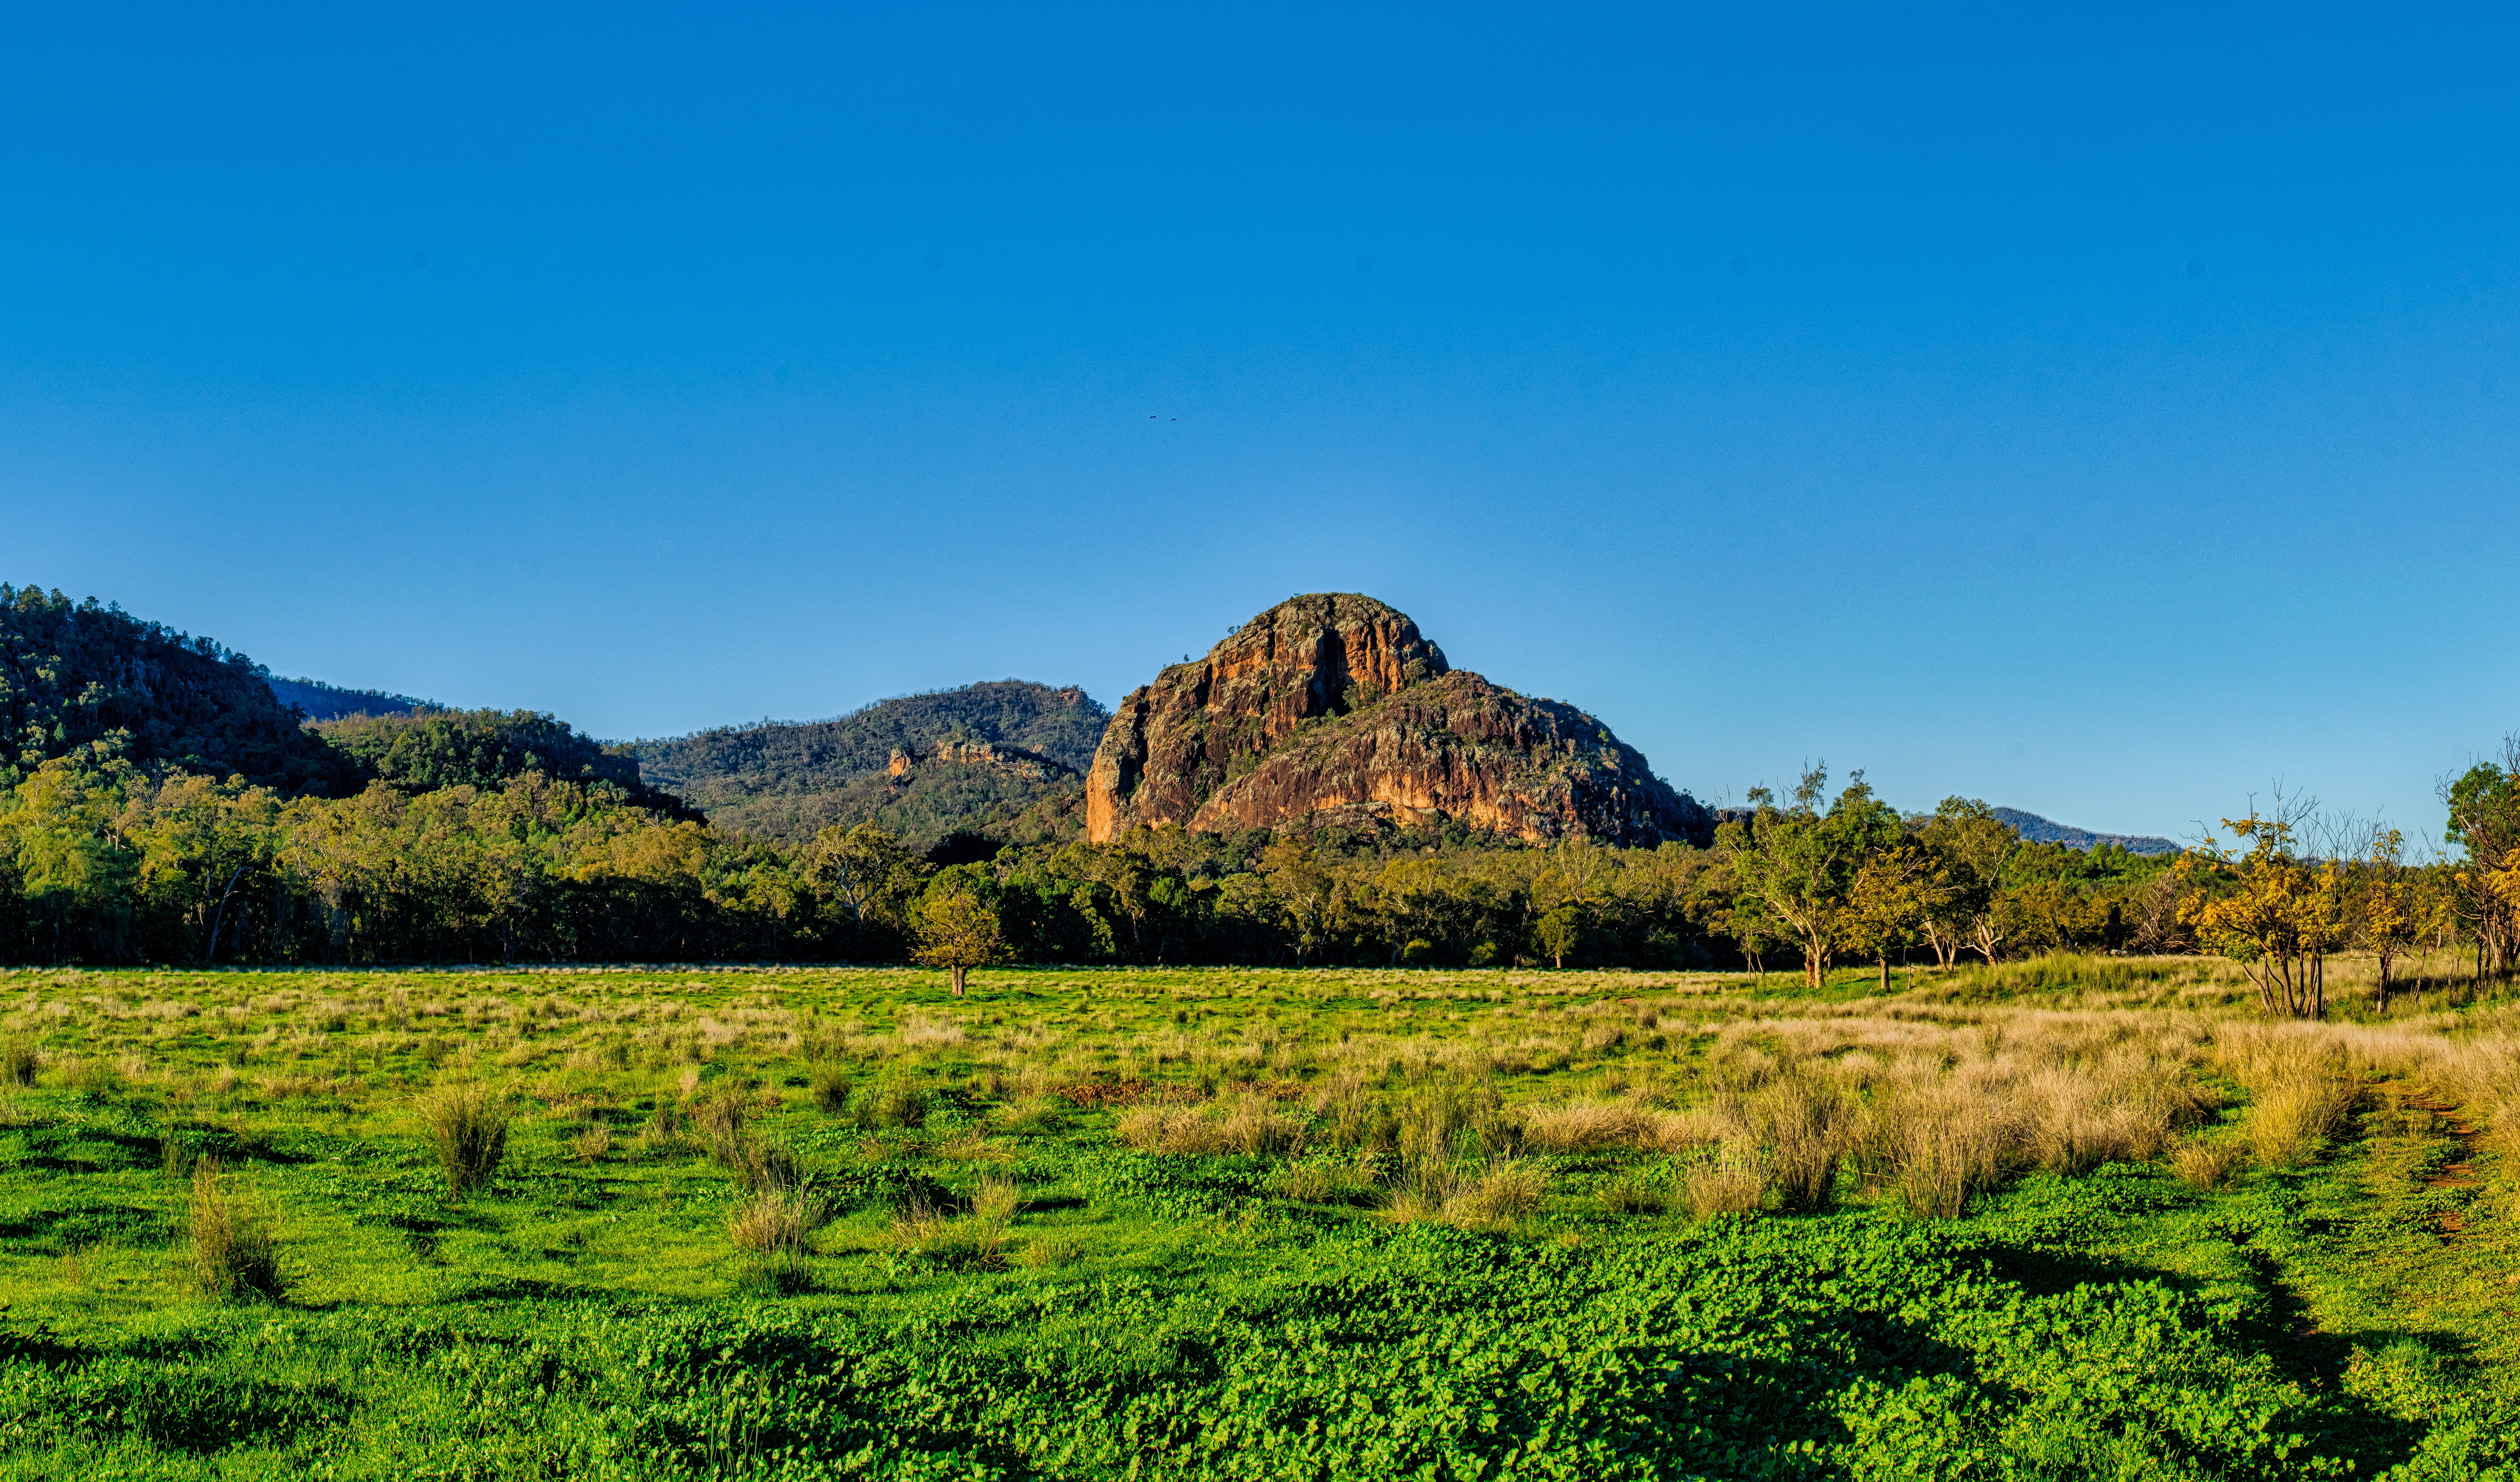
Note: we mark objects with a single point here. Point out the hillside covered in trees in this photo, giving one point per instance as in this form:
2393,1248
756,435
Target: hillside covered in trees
1002,759
75,674
425,750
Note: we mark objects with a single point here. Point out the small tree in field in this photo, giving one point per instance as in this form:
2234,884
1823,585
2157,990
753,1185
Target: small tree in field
2397,907
1560,932
1895,895
1799,860
959,931
2278,916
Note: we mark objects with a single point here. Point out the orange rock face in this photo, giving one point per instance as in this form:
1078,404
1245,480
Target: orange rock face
1335,704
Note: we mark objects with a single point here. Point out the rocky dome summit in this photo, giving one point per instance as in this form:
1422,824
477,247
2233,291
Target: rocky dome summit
1333,705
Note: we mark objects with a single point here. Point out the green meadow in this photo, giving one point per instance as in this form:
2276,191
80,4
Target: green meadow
2069,1218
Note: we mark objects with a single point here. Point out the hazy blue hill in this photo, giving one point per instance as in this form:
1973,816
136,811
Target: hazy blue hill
323,701
790,778
2043,832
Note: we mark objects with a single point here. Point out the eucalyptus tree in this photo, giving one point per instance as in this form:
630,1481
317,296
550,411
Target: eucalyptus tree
1801,859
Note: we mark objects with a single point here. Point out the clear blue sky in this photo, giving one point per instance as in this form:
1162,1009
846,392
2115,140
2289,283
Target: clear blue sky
2103,411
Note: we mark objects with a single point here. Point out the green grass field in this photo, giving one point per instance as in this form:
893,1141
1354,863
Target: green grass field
2068,1218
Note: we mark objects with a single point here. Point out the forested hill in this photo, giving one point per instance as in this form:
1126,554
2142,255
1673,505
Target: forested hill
323,701
424,751
2040,831
978,759
74,673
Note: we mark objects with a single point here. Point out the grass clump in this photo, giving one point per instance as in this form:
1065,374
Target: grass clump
1589,1125
1734,1181
1490,1197
468,1125
1637,1191
776,1221
17,1063
921,1237
2207,1163
235,1256
887,1102
1312,1181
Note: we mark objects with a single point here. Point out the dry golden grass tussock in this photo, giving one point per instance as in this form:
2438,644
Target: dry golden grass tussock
920,1032
2124,1108
234,1255
2205,1163
919,1233
1469,1197
1731,1182
774,1220
997,1199
2292,1116
1169,1129
1583,1126
719,1115
1801,1122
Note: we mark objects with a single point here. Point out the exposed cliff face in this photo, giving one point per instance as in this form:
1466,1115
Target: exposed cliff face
1335,704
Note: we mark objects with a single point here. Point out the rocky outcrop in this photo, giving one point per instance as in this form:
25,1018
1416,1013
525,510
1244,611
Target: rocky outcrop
1333,705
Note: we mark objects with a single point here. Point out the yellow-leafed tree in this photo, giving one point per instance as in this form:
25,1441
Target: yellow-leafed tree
2276,913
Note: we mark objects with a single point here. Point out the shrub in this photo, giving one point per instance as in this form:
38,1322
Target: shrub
469,1126
235,1257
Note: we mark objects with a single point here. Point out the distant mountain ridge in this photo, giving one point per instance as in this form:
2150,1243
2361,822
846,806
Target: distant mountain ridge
1004,758
323,701
2044,831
